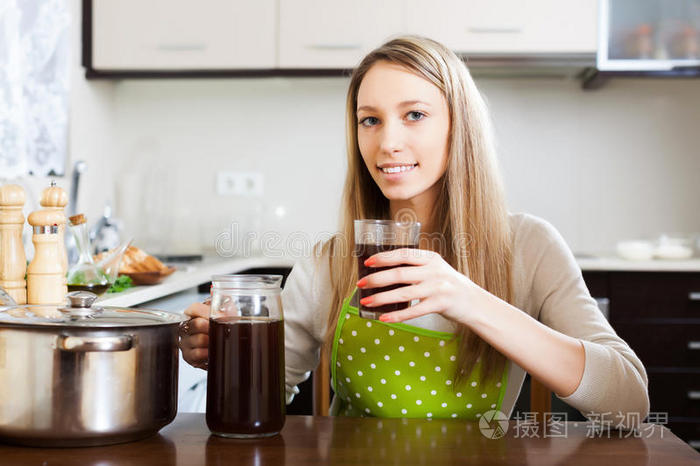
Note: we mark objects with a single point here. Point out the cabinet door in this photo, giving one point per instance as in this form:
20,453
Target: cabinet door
183,34
334,33
507,26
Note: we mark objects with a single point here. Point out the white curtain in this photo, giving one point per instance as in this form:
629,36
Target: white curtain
34,76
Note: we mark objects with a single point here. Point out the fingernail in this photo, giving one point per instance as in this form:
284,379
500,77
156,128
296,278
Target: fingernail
385,318
370,262
367,300
362,282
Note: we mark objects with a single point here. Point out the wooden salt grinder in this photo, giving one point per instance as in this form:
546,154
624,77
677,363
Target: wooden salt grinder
55,199
13,261
45,277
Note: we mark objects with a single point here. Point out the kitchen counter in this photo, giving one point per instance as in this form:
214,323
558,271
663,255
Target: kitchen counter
307,440
188,276
612,263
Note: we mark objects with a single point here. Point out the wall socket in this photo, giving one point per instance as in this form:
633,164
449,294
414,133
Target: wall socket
244,184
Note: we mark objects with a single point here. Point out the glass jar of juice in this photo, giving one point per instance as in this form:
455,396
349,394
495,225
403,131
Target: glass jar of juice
245,380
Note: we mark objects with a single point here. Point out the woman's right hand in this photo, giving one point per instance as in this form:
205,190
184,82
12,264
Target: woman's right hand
194,336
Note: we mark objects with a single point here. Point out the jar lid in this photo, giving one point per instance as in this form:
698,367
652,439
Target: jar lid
246,281
81,312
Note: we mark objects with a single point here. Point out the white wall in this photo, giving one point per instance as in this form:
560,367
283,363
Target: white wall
619,162
91,130
183,132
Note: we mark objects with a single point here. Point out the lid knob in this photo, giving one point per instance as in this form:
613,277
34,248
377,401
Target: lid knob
81,299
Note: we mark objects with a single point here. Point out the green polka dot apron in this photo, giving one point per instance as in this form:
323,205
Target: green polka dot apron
399,370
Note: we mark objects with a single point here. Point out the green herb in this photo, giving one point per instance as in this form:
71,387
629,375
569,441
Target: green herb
121,283
77,278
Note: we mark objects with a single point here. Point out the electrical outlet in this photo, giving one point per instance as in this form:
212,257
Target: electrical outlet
225,183
251,184
244,184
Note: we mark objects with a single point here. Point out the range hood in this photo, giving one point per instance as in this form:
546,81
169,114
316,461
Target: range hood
529,65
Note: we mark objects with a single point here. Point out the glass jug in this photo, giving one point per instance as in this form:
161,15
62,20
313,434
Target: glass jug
245,376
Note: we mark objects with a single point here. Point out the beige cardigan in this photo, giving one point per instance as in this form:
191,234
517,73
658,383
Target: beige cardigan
547,284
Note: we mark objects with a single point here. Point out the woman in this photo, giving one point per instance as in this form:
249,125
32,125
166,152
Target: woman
506,285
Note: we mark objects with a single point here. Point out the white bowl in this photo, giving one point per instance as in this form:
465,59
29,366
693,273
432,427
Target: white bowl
635,250
673,251
674,246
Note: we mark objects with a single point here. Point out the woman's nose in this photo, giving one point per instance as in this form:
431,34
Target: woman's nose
391,138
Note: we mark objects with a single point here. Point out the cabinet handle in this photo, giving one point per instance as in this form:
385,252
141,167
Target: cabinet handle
181,47
694,395
694,296
482,30
694,345
334,46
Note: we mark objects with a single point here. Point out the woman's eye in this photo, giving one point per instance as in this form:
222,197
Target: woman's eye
415,116
369,121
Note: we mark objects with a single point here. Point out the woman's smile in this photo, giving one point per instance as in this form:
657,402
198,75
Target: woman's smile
396,171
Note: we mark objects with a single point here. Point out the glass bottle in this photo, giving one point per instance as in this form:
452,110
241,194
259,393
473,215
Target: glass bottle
85,275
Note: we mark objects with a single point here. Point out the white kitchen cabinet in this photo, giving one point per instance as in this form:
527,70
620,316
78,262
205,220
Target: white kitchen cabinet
334,33
183,37
183,34
506,26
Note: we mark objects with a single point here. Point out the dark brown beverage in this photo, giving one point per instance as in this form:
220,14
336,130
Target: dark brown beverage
97,289
245,381
363,252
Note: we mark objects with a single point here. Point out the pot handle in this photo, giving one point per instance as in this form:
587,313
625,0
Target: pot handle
88,344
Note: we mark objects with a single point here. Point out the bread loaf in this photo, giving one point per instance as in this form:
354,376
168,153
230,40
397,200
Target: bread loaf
137,260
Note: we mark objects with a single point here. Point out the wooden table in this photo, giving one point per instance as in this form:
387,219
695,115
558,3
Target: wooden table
309,440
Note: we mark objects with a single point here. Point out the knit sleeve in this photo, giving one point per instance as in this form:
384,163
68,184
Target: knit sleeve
305,300
614,383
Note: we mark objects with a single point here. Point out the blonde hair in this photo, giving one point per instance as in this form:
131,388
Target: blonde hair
470,210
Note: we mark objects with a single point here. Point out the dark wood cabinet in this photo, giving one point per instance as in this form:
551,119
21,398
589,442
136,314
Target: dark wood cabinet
660,345
658,315
654,296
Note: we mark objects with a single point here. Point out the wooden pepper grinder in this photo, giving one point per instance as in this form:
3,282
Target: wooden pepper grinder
45,277
55,198
13,261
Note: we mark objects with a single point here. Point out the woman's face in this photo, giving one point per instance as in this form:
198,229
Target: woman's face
403,131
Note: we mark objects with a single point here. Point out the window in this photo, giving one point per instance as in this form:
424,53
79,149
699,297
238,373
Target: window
34,77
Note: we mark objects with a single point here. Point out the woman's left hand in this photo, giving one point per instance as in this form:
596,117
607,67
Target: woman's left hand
439,287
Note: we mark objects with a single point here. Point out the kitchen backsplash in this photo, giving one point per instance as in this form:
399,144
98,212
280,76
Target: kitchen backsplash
615,163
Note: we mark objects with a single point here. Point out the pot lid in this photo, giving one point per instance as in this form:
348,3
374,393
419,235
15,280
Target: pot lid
80,312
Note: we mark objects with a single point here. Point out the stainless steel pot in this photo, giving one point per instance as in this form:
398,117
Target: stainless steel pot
83,375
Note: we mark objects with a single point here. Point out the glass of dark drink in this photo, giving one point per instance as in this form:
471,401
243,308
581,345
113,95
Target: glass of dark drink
245,375
372,237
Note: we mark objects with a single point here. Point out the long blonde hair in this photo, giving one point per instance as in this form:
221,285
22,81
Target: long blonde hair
470,210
